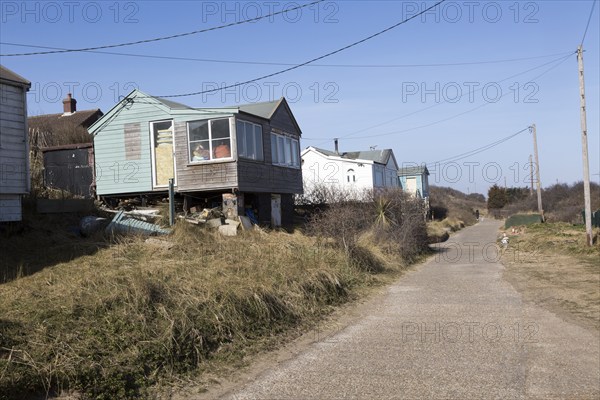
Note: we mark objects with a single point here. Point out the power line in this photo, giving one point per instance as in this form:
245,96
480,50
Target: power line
110,46
588,22
558,62
477,150
281,64
312,60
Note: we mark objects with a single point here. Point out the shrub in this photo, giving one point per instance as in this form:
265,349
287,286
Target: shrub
450,203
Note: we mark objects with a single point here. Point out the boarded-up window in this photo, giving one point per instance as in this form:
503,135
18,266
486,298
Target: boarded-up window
133,141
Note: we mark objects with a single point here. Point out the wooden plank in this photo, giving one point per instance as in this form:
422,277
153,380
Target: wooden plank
133,141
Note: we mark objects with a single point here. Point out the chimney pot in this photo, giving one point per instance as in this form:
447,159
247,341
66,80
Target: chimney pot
335,142
69,104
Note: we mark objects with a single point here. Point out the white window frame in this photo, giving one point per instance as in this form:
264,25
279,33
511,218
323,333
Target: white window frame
210,141
242,144
285,151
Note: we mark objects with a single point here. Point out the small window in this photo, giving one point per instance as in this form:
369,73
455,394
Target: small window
209,140
351,176
249,140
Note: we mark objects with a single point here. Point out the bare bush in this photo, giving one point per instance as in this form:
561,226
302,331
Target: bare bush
561,202
400,223
395,220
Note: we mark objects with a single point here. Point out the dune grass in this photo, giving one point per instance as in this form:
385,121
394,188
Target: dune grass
114,323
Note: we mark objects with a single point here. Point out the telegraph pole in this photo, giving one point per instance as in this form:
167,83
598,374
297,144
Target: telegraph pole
537,171
531,175
584,151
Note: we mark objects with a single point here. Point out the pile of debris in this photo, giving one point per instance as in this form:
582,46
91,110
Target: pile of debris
215,218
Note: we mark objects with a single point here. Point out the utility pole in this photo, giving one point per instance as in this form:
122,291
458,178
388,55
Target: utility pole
584,152
537,171
531,175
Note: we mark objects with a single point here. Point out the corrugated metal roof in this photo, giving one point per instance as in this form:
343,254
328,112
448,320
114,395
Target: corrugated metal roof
8,75
378,156
416,170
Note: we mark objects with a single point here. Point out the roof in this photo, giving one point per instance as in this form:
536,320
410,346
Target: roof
264,109
173,105
267,110
377,156
10,76
83,118
414,170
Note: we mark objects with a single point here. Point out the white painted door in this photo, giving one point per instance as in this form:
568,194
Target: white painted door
411,186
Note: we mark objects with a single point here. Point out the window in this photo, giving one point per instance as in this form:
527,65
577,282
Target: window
249,140
285,151
350,176
209,140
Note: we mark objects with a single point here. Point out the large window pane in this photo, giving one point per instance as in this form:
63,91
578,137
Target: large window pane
258,144
250,137
288,151
274,152
280,150
198,130
219,128
295,154
221,148
240,138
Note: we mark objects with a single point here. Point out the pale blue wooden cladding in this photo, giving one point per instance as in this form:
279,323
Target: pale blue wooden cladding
414,180
119,167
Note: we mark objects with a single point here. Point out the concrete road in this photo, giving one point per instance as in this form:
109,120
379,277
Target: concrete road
450,329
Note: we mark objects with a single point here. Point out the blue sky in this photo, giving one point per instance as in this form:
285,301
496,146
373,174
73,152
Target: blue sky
394,91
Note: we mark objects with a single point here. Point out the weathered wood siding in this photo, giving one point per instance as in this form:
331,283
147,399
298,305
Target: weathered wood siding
13,140
263,176
122,150
283,121
14,152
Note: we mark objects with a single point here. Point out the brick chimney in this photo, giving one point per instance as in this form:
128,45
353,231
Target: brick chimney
69,105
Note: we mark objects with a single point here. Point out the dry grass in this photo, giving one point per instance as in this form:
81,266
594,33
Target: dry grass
457,207
111,324
551,265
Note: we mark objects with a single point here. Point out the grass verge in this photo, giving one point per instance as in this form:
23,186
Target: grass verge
551,266
115,323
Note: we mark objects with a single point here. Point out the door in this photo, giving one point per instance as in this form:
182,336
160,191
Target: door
163,160
411,186
275,210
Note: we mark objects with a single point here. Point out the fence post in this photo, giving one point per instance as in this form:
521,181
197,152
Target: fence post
171,202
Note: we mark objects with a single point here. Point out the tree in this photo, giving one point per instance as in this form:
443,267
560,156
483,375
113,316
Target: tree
496,197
